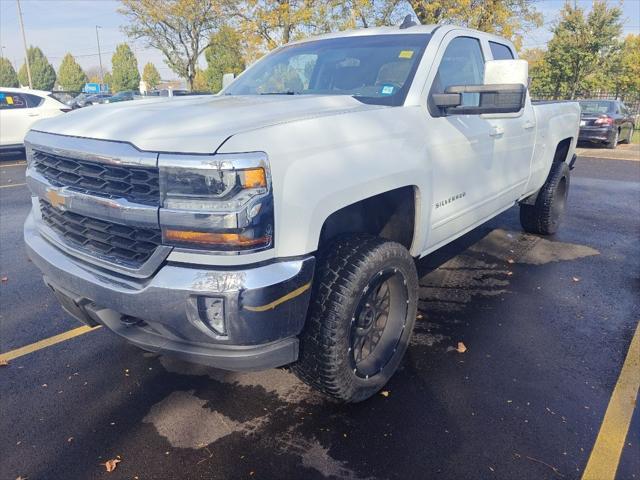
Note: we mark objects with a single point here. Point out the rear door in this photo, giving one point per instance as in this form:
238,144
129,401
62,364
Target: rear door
513,138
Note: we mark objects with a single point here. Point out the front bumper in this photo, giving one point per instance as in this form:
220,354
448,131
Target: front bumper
264,306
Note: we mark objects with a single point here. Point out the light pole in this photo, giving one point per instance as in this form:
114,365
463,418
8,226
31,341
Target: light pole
100,56
24,41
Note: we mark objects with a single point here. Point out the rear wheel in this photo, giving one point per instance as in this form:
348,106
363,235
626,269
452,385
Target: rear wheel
545,215
362,313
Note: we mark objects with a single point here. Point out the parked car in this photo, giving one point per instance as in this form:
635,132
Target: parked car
20,109
279,222
86,99
168,92
123,96
606,121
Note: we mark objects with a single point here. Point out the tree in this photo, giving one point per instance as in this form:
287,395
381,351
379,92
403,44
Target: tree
200,83
180,29
150,76
70,74
508,18
627,82
225,55
8,76
43,75
108,80
582,48
125,69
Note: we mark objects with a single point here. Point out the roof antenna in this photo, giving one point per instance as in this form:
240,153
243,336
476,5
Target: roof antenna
407,22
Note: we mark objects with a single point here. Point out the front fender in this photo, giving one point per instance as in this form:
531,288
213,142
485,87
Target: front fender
321,165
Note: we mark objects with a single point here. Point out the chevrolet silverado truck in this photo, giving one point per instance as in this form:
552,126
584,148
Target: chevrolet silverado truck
279,222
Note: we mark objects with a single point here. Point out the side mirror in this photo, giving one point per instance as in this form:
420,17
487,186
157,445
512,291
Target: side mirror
504,91
227,78
499,98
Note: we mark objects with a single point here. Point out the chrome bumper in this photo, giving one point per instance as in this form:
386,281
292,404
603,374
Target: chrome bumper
264,307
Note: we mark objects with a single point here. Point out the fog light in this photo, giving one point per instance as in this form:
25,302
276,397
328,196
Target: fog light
207,312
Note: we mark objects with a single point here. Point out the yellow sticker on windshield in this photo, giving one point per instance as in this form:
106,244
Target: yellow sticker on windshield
9,100
406,54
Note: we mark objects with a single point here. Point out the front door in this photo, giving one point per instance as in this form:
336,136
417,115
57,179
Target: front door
461,147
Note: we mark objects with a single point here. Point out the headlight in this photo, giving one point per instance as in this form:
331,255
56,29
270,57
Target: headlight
218,202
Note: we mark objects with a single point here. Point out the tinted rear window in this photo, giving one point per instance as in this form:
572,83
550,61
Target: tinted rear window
500,51
598,106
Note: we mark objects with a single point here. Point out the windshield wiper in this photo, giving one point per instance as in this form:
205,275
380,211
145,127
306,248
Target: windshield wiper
288,92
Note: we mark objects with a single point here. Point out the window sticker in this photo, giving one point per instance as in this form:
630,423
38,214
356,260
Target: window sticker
387,90
406,54
9,100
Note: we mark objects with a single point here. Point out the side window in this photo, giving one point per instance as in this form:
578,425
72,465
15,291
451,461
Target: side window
11,101
461,64
500,51
33,100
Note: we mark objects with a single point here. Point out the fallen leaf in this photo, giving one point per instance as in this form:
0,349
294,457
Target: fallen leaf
511,260
3,362
4,279
111,465
461,348
384,393
509,274
20,477
70,439
575,279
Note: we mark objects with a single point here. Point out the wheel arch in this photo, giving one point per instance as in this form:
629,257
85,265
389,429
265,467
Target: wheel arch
391,215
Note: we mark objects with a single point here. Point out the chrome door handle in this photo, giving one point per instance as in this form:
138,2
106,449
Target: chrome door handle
528,125
496,131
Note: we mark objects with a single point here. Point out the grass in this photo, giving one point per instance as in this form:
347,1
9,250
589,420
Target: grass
636,137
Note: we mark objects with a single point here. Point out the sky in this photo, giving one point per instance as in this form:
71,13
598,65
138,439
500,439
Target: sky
61,26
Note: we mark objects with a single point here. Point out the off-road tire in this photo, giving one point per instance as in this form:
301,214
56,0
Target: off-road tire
344,270
544,216
614,141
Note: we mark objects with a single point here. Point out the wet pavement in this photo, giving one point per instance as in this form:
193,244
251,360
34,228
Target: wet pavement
547,323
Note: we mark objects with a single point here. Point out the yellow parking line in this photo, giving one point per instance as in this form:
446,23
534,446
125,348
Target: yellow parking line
13,185
605,456
13,164
47,342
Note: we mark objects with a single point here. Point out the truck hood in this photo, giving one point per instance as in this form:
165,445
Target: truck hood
198,124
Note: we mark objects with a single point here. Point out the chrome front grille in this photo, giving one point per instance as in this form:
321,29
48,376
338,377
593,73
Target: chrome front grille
136,184
120,244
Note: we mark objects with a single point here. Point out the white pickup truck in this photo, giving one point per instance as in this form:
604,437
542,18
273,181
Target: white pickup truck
279,221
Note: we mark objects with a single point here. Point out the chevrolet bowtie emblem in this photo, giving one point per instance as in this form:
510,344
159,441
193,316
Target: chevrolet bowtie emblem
56,199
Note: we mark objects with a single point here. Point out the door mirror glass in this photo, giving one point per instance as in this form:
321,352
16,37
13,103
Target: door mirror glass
506,72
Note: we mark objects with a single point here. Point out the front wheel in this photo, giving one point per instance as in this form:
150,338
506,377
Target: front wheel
362,312
544,216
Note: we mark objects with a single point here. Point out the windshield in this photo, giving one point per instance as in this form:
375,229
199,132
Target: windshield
595,106
374,69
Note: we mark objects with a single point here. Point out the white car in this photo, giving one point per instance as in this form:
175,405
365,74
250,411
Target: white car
20,109
279,222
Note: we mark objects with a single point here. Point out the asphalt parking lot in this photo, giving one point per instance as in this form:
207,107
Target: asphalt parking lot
547,324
